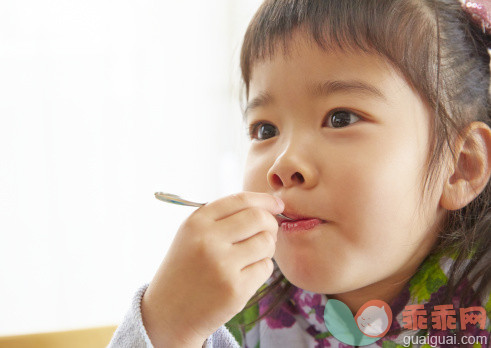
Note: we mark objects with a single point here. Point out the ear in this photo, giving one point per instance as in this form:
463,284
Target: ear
468,177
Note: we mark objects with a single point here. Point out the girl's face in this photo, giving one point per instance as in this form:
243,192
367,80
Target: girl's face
342,138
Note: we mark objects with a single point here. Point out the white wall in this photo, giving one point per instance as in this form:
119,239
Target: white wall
103,103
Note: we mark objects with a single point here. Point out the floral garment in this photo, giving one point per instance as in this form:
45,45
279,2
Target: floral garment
300,321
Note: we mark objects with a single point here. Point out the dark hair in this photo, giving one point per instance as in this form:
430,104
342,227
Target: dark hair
443,56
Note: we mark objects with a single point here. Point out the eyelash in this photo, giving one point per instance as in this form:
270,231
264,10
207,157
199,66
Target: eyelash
250,130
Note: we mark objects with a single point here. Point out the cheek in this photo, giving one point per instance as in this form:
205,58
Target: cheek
255,173
378,192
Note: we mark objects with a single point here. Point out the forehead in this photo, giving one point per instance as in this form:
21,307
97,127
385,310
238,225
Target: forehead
308,70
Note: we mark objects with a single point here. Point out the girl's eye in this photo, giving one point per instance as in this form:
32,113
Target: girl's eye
262,131
335,119
340,118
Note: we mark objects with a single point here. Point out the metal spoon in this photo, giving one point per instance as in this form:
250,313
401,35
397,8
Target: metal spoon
175,199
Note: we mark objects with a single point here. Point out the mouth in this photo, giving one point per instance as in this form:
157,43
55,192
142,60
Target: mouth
296,217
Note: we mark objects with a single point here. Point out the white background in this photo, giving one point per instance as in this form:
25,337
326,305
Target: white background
103,103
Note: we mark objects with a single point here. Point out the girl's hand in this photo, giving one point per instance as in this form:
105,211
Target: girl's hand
218,259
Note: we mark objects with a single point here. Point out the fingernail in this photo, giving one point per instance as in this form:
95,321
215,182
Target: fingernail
281,205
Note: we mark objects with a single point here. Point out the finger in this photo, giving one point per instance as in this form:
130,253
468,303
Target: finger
226,206
256,274
258,247
245,224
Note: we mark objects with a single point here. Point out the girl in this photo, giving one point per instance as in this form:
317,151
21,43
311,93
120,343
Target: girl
369,126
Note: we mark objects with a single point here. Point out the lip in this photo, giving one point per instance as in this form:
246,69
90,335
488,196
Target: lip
299,225
301,222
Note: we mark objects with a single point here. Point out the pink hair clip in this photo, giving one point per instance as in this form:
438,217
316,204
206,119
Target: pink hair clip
480,10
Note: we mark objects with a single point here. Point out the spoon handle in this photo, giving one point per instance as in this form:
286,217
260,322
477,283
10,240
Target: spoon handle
175,199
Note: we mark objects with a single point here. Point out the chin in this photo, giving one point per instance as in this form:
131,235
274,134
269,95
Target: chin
308,278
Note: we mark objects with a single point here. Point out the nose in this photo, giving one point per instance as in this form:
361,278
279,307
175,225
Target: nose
294,167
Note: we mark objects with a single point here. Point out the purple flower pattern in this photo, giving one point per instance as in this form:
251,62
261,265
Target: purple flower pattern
309,307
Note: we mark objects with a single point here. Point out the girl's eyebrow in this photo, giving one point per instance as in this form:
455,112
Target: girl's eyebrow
261,100
321,89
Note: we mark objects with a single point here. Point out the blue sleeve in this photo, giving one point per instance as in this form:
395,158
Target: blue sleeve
132,334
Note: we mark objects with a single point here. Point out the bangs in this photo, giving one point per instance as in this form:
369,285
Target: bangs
401,30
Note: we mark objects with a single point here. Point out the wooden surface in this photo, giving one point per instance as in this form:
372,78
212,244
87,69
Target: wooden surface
92,337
